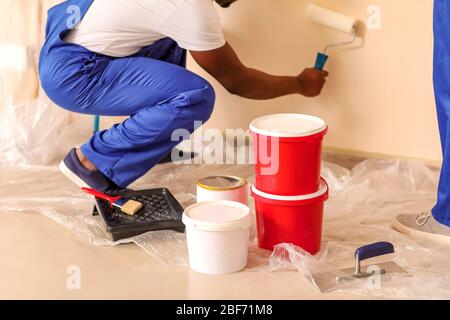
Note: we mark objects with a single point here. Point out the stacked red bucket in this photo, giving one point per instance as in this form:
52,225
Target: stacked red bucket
289,192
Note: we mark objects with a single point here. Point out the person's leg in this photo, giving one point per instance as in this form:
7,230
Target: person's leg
160,97
434,224
441,211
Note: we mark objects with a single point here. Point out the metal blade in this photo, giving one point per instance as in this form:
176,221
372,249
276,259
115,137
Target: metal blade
327,282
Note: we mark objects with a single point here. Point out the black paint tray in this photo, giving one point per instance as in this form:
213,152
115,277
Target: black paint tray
161,211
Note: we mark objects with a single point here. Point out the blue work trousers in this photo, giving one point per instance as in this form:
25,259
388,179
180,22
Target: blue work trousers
441,211
152,87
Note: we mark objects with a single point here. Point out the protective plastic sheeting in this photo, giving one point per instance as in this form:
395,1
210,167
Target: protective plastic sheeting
38,133
360,211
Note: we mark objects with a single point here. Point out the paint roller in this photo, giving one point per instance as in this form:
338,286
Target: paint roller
332,20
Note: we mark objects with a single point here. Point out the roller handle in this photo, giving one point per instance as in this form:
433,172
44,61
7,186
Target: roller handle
96,124
321,61
374,250
100,195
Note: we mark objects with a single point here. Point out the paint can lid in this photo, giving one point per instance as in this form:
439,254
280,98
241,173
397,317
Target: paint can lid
218,216
288,125
221,183
323,189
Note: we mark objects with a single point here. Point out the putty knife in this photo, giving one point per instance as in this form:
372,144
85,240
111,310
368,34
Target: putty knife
327,281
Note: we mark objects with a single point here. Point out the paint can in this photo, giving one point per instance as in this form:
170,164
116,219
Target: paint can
288,153
216,188
290,219
218,234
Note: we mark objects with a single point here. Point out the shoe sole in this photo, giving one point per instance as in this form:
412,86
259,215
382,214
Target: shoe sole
72,176
420,234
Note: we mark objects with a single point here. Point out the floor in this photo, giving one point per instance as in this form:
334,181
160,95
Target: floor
37,253
38,256
42,259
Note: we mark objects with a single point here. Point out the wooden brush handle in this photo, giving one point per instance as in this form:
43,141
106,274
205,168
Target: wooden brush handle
101,195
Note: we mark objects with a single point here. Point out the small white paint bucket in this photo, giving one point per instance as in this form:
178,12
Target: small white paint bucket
217,188
218,234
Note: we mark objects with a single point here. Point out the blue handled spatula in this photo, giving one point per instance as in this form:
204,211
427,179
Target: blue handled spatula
325,281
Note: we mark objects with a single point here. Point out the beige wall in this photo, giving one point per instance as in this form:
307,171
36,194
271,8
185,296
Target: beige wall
18,27
379,97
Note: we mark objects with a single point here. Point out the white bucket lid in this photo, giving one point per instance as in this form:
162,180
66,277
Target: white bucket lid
288,125
217,216
322,190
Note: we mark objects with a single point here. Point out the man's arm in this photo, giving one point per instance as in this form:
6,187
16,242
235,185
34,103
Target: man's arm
224,65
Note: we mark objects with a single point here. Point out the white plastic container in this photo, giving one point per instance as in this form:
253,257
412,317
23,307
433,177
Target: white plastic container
218,234
216,188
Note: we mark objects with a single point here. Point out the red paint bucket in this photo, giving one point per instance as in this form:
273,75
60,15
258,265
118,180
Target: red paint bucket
296,220
288,153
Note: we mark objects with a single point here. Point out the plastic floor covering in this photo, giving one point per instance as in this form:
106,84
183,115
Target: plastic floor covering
360,211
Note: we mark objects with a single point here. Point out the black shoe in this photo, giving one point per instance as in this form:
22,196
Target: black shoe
74,170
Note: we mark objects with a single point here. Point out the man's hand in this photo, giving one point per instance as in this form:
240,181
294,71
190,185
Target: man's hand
224,65
312,82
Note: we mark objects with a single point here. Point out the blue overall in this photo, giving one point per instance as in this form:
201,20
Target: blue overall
441,211
153,87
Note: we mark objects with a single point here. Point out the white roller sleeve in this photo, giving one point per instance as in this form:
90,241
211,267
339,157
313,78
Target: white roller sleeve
331,19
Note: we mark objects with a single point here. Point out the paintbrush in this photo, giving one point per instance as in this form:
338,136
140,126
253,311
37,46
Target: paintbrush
127,206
